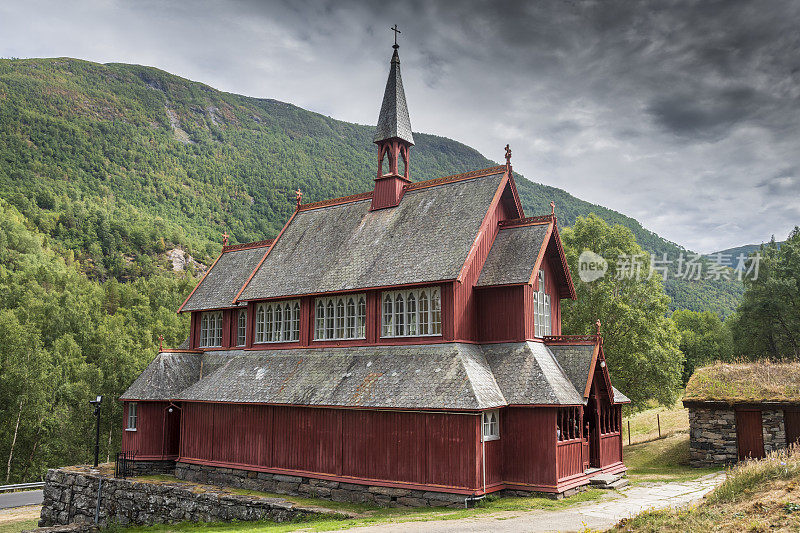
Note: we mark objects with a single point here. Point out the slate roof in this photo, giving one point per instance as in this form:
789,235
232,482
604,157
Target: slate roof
165,377
443,376
513,255
347,246
393,120
619,397
529,374
576,360
221,283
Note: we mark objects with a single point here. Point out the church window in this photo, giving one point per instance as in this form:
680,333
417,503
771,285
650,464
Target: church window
341,318
211,329
241,328
491,425
133,417
413,313
278,321
541,309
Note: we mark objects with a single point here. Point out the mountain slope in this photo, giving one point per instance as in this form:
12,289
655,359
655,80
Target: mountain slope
117,163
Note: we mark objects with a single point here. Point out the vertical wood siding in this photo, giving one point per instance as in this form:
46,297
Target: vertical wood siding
499,317
610,449
529,445
569,460
155,435
420,448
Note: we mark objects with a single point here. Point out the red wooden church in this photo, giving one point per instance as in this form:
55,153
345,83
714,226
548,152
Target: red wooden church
400,344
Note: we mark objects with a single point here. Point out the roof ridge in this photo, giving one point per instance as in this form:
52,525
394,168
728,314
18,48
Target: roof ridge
247,245
410,187
455,177
566,339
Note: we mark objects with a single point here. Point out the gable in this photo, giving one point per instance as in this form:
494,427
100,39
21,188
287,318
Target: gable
425,239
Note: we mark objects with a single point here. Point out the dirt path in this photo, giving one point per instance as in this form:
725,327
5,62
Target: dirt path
601,514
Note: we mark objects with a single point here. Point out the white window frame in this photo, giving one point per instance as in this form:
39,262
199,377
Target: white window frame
543,321
490,425
411,313
340,318
133,417
210,329
241,327
277,321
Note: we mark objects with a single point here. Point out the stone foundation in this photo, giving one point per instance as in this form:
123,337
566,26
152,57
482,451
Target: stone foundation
70,496
713,440
316,488
150,468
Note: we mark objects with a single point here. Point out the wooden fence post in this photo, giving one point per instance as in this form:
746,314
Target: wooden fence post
629,432
658,418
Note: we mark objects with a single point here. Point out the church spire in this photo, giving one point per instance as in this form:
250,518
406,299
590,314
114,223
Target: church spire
393,137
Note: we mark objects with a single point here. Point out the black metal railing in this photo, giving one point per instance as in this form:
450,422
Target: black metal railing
124,466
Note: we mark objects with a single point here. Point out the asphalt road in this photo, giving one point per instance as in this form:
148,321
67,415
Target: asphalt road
20,499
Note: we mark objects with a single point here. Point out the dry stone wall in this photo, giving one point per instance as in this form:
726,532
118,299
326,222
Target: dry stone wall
70,496
712,438
773,430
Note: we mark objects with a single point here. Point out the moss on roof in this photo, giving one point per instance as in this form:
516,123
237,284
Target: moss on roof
745,382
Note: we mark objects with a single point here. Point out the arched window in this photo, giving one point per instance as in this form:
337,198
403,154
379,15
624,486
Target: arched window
296,322
424,317
261,318
330,315
399,315
241,328
269,325
388,315
361,318
277,327
491,425
411,315
436,313
320,321
351,319
340,319
287,322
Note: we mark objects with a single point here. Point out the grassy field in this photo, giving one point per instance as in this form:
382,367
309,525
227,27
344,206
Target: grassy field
644,425
757,496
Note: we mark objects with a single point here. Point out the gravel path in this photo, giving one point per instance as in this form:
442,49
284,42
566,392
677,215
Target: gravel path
600,514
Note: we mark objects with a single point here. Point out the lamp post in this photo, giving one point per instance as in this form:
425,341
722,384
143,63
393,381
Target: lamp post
96,402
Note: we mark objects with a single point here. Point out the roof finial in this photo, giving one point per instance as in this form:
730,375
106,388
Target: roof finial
225,239
160,342
552,208
396,31
598,326
299,196
508,158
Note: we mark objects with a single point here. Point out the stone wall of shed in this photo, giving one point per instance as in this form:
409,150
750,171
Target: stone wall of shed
316,488
712,437
70,496
773,430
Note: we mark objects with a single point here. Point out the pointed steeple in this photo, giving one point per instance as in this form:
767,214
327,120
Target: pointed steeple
393,121
394,139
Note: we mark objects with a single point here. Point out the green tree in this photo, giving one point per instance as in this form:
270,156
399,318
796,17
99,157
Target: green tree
640,340
704,338
767,324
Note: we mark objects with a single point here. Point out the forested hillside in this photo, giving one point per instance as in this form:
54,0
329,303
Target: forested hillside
115,164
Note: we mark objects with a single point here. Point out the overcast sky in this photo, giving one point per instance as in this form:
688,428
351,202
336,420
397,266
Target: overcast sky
683,115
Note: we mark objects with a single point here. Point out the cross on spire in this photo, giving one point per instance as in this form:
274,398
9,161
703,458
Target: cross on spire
396,31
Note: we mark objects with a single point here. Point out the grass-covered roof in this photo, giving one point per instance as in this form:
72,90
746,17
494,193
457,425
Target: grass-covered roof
745,383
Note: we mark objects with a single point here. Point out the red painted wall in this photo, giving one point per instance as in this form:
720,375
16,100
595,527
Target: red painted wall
529,451
499,314
157,431
431,449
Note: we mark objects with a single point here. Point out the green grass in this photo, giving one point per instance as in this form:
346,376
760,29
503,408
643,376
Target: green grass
16,527
663,460
644,424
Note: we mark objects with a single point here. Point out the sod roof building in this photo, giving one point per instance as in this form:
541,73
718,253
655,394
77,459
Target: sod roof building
402,345
740,411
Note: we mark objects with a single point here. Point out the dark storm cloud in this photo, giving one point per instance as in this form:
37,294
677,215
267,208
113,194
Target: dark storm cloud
682,114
